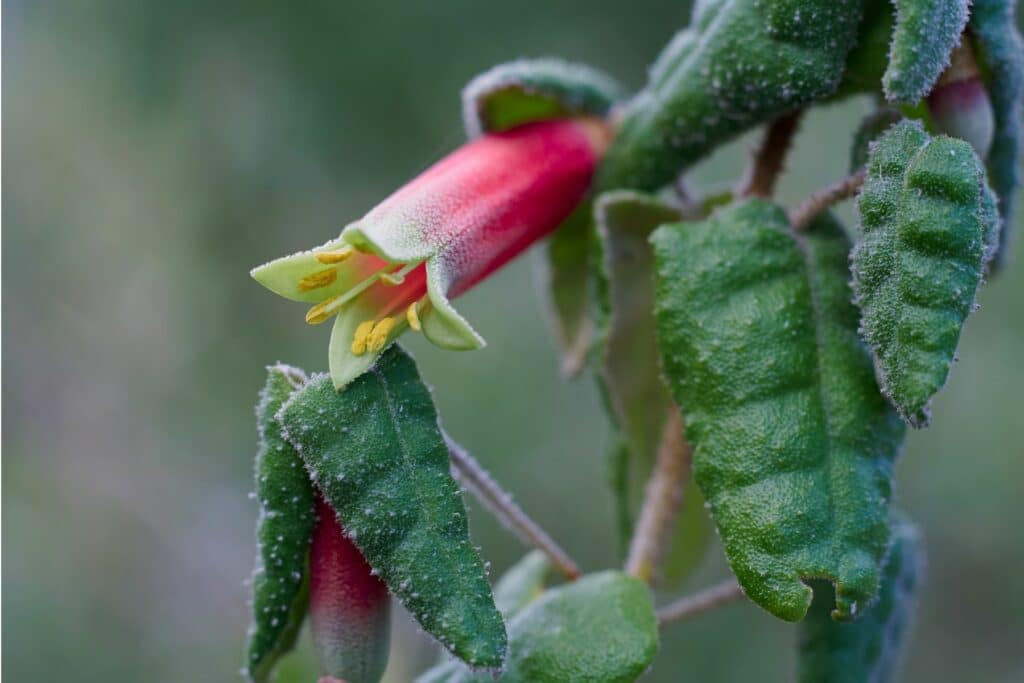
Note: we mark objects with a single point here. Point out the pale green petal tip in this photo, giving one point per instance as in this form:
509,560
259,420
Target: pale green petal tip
394,246
344,365
442,324
282,274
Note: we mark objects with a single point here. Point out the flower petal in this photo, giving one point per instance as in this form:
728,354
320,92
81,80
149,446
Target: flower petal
442,324
345,365
285,275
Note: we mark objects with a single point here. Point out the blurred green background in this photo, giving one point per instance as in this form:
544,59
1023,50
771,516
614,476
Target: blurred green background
155,151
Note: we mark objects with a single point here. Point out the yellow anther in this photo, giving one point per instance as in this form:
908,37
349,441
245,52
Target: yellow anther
413,317
319,279
336,256
361,337
379,336
322,311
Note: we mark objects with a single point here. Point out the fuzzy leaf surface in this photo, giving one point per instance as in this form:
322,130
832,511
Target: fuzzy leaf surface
376,453
1001,55
599,629
869,649
925,34
280,584
742,63
928,225
793,442
527,90
566,276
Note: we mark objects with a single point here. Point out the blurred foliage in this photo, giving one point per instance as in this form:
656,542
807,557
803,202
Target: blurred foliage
155,151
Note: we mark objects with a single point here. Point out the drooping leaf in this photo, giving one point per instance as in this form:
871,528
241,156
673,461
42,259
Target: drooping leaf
868,59
1001,55
793,443
567,284
599,629
630,368
869,649
376,453
871,128
526,90
750,61
280,584
925,34
928,224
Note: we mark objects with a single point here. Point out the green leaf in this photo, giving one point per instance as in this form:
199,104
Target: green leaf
868,59
526,90
567,283
868,649
599,629
747,62
793,443
924,37
630,371
927,218
376,453
1001,56
280,585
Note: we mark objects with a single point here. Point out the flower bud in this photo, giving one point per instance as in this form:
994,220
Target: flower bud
959,104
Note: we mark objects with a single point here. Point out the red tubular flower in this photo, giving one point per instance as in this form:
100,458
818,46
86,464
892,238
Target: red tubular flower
349,607
449,228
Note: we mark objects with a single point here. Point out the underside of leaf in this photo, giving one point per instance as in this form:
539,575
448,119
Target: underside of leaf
794,444
925,34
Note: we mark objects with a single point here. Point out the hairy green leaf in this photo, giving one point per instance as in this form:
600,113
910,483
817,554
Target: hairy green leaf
867,61
924,37
793,443
280,584
630,371
928,224
868,649
1001,55
509,95
567,283
599,629
743,62
376,453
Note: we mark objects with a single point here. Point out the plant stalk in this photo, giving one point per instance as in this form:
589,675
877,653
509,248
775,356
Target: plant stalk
823,199
476,479
698,603
769,157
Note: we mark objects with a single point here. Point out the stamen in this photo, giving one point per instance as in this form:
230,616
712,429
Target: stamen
413,317
362,336
397,277
319,279
335,256
379,336
323,310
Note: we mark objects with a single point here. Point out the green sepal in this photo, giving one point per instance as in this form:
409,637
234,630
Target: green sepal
749,62
280,584
376,453
793,442
599,629
527,90
925,34
870,648
927,229
1000,54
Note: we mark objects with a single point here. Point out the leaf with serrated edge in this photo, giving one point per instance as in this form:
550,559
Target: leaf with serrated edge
925,34
870,648
927,225
280,585
1000,52
527,90
793,443
376,453
599,629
